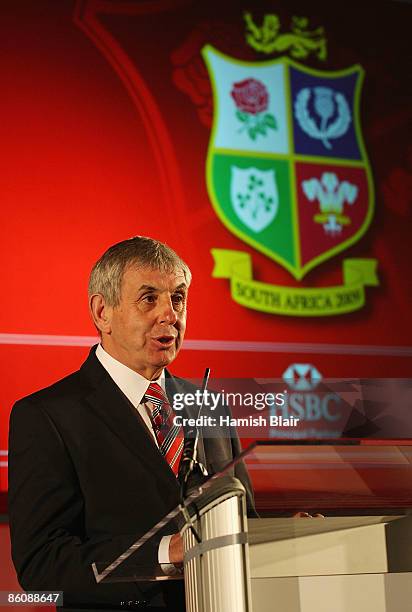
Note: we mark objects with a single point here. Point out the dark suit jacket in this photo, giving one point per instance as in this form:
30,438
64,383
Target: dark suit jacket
85,481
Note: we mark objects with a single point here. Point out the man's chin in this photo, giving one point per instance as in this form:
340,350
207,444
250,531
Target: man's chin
165,357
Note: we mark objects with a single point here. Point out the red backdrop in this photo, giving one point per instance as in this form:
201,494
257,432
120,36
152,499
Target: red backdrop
105,126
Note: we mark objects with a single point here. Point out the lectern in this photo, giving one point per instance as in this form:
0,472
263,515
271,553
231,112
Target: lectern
358,558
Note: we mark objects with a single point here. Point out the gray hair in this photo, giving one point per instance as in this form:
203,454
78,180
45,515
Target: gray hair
107,273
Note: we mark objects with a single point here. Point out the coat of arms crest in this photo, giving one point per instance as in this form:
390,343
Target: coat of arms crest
287,170
300,127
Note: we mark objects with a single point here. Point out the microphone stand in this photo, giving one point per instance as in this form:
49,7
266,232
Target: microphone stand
189,464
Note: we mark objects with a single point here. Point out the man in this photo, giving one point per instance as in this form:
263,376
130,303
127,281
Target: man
89,470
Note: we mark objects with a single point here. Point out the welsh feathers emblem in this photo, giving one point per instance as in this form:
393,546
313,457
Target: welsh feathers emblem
331,196
287,170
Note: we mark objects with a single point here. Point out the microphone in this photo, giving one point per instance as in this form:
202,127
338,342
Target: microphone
188,463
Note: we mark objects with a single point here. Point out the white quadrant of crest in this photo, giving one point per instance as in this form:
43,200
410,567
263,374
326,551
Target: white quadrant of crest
228,132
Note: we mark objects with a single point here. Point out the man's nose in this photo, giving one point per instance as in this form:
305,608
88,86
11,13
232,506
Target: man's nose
167,313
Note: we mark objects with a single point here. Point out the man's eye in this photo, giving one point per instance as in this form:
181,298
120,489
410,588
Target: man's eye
178,298
150,298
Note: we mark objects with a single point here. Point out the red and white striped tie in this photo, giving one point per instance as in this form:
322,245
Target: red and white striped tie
169,437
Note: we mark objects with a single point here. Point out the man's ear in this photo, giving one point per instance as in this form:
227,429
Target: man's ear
101,313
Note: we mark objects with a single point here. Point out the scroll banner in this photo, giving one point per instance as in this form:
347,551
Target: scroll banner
295,301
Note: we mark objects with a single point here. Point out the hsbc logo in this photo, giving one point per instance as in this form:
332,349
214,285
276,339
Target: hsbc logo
318,408
302,377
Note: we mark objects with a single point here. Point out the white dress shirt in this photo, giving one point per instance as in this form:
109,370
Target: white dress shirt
134,387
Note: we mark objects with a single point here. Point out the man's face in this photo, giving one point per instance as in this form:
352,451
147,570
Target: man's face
146,329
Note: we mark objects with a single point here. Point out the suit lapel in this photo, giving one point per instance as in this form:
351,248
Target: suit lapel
112,407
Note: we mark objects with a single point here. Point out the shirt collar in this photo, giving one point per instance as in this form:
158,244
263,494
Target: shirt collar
132,384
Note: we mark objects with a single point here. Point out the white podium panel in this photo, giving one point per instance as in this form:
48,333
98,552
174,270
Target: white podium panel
336,564
353,593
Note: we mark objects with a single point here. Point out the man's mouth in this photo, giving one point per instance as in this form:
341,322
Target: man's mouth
165,341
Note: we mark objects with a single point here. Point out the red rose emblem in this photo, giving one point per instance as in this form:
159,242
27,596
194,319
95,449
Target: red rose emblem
250,96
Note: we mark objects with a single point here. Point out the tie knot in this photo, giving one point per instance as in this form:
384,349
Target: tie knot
155,394
158,405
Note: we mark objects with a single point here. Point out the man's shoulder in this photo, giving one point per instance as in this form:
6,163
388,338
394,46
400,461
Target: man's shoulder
67,389
70,384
